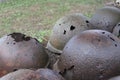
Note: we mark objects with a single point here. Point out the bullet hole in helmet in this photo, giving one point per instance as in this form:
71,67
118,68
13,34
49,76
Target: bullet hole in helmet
111,38
64,32
118,24
115,45
72,27
118,3
87,21
14,43
15,70
103,32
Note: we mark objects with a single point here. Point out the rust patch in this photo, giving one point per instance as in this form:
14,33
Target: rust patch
18,37
9,64
4,72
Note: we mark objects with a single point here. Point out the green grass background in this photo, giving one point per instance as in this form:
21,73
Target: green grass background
37,17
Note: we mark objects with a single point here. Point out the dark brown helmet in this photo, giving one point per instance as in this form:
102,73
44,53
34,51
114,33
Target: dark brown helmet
20,51
91,55
64,29
105,18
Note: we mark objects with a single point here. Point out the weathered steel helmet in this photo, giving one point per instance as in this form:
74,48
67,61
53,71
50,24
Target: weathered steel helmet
47,74
91,55
17,75
105,18
20,51
27,74
64,29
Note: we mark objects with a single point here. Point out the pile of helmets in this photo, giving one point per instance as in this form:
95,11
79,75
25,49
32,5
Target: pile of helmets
79,48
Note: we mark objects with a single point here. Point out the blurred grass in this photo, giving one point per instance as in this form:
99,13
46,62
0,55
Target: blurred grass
37,17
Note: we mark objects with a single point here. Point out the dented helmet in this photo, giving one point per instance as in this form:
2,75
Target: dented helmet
105,18
65,28
20,51
90,55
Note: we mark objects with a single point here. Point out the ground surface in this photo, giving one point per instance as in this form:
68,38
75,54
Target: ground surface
37,17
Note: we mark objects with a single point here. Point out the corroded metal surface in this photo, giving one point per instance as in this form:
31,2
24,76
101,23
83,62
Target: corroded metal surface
48,74
20,51
105,18
91,55
26,74
65,28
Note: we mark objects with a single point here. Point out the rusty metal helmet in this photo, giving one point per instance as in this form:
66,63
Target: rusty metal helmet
27,74
47,74
17,75
20,51
105,18
64,29
90,55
